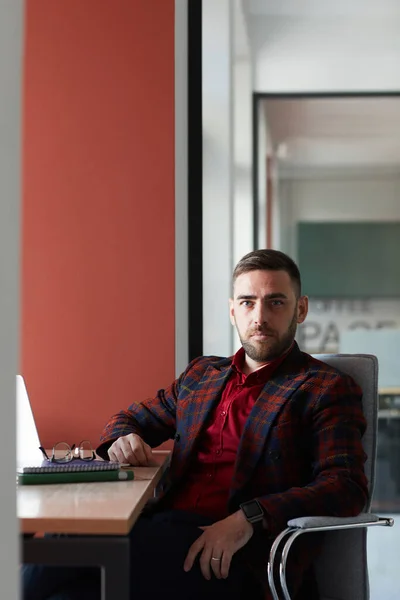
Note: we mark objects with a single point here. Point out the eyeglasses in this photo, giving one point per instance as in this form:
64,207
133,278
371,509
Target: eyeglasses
63,452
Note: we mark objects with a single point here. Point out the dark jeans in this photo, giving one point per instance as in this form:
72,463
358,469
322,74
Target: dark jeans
158,546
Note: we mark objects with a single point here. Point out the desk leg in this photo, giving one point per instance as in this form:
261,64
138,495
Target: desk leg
115,573
111,553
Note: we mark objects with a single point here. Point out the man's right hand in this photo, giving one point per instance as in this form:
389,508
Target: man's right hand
131,449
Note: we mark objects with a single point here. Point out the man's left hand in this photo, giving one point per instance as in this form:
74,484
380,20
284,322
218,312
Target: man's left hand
218,544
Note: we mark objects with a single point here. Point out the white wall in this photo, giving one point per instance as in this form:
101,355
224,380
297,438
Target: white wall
348,199
358,52
368,199
11,34
181,211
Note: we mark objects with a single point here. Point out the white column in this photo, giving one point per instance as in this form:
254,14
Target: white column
263,139
243,238
242,169
11,33
217,57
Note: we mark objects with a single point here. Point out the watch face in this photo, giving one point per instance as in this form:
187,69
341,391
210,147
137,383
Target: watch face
252,509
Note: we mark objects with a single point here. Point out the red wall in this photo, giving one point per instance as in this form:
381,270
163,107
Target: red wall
98,210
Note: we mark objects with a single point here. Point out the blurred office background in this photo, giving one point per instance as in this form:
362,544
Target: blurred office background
153,143
301,152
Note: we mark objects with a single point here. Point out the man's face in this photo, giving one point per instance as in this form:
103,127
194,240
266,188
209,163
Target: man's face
265,311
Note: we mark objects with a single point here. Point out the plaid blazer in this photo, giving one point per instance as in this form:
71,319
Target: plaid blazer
300,452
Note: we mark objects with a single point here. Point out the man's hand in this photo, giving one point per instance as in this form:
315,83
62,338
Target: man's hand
131,449
218,544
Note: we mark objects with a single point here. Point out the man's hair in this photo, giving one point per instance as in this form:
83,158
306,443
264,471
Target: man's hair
269,260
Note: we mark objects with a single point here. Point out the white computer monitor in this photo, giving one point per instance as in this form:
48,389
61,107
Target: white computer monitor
27,435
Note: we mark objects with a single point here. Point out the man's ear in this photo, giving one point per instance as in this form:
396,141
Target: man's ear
231,311
302,308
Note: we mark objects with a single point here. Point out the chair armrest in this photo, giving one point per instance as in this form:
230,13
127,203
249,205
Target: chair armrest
303,525
311,522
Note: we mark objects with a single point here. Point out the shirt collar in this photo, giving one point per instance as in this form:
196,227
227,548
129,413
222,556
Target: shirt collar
261,375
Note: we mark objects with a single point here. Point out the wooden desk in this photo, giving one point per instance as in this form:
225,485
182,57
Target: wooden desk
102,514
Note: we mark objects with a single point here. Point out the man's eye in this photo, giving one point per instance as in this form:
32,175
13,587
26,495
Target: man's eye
277,303
246,303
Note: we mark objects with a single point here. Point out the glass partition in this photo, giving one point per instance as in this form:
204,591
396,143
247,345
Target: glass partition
335,208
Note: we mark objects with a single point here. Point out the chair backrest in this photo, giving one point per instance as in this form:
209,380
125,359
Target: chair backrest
341,568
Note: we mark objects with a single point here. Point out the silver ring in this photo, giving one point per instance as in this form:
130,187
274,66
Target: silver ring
213,558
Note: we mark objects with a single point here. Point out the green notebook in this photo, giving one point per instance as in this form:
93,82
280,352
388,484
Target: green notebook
77,477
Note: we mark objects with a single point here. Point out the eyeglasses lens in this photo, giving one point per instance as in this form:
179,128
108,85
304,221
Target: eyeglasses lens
62,452
86,450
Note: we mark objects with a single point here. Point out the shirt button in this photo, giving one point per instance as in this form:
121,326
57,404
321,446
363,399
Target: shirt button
218,452
223,413
209,475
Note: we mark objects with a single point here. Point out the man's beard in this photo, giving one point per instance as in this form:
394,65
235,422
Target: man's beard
272,348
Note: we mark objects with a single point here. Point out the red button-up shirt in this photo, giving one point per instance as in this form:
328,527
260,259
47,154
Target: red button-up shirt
205,489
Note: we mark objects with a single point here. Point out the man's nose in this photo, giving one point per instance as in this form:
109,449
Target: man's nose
260,315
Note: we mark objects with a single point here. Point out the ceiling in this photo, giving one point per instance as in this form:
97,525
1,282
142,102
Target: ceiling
321,8
335,132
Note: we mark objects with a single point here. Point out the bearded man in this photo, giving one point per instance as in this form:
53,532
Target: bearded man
265,436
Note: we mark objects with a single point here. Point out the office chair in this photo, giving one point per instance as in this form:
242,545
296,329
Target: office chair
341,569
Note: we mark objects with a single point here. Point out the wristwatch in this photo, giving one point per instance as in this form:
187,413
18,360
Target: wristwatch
254,513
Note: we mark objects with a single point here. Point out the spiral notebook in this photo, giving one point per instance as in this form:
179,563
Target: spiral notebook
74,466
29,457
